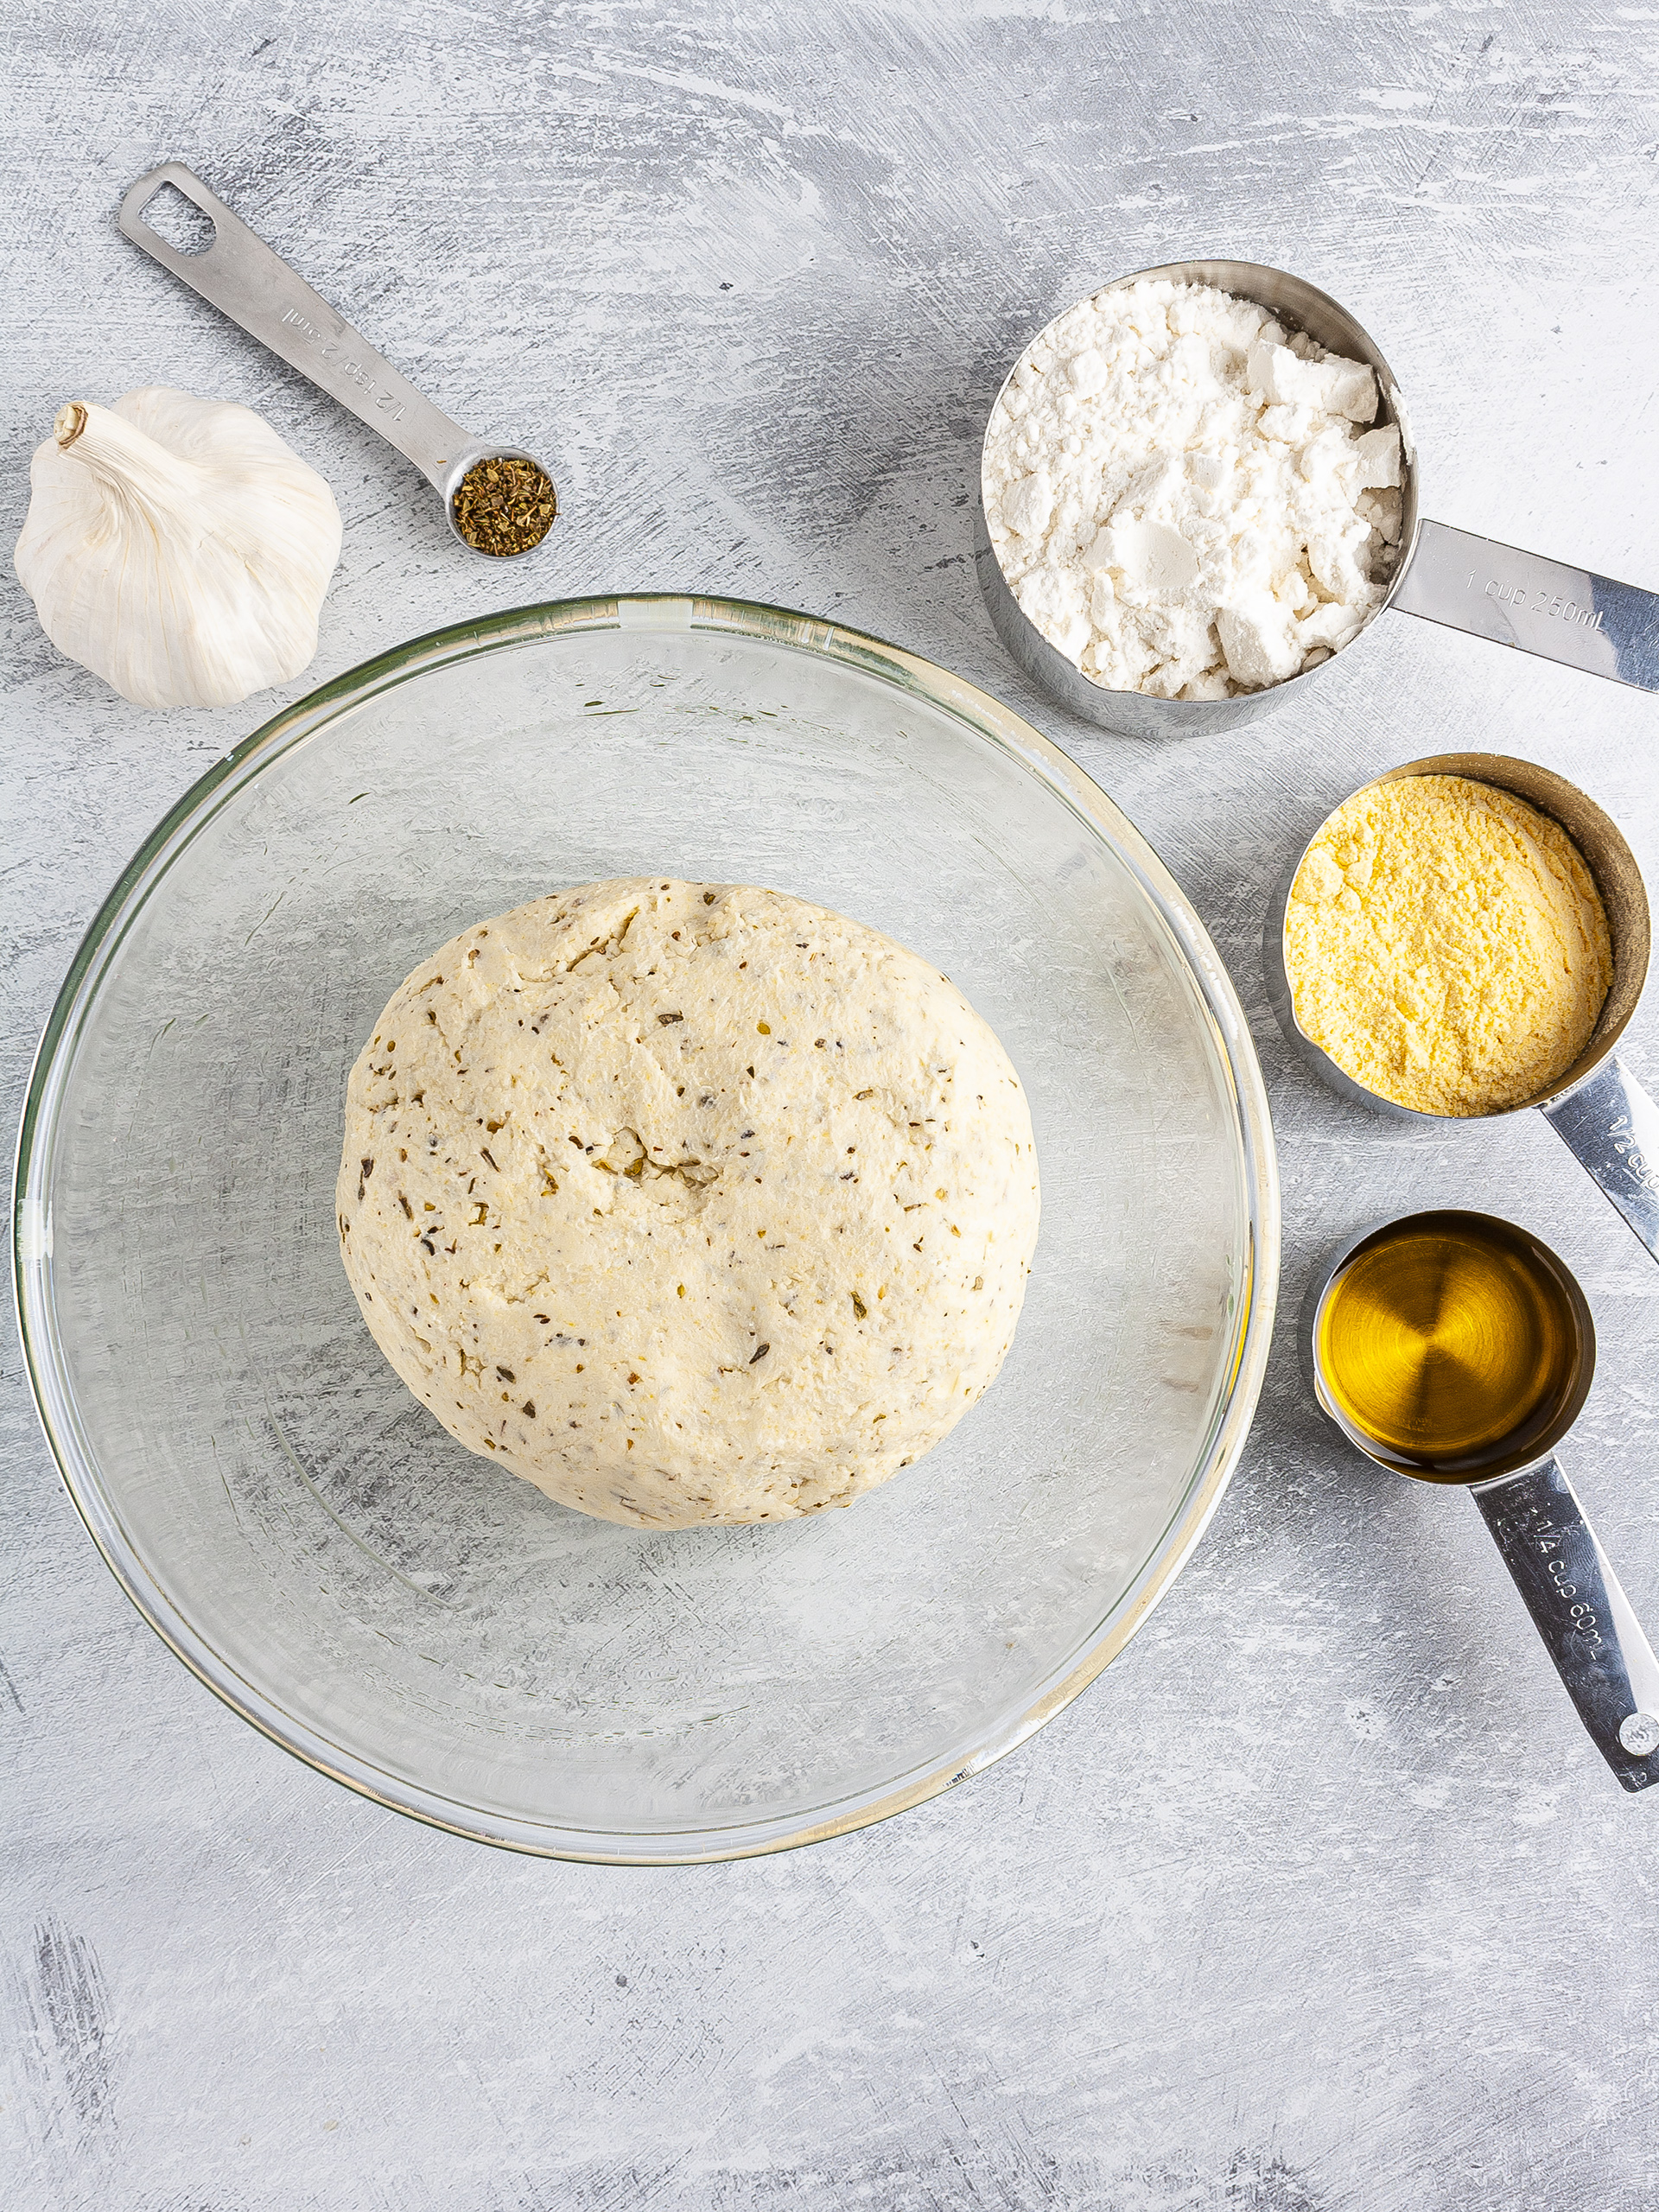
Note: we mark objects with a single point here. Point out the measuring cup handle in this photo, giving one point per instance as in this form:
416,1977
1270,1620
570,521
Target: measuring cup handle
1543,607
1581,1613
1611,1127
243,279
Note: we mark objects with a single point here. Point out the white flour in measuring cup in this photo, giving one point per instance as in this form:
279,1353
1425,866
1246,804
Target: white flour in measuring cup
1185,497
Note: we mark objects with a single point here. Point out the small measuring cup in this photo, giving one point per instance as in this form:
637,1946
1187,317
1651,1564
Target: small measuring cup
1596,1107
1563,1575
1452,576
240,275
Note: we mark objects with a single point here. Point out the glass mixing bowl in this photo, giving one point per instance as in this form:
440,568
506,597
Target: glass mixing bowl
421,1624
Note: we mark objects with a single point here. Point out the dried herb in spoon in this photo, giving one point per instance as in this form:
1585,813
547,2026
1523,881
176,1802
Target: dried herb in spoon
505,506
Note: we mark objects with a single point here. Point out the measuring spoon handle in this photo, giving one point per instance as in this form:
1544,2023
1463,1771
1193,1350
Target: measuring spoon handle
243,279
1583,1616
1611,1127
1543,607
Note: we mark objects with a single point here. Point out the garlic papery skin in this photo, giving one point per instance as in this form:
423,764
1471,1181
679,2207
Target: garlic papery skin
177,548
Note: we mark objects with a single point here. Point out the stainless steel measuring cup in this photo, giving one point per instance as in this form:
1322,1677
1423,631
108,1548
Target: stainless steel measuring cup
1577,1605
1596,1107
240,275
1544,606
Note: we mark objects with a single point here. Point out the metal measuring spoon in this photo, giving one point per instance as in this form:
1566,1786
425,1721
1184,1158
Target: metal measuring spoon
238,273
1536,1521
1597,1108
1451,576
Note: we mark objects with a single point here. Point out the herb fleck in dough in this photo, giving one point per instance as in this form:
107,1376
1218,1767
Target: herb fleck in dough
687,1203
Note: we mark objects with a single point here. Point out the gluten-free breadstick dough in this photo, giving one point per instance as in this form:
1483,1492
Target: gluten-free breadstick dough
1446,945
687,1202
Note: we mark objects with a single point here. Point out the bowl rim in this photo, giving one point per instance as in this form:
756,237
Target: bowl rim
1253,1302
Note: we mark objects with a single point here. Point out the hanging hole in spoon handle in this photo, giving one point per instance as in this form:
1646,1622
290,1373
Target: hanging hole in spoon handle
1585,1618
1543,607
237,272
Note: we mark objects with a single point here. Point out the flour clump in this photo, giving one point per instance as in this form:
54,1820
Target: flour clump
1185,497
687,1201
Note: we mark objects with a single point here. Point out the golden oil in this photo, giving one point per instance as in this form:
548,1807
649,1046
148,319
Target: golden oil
1455,1344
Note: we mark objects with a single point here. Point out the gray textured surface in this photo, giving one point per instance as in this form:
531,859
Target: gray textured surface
1319,1900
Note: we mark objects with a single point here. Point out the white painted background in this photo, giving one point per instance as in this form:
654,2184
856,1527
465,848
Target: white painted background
1319,1901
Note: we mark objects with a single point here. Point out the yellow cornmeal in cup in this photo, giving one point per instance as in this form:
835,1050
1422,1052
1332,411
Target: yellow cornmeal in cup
1446,945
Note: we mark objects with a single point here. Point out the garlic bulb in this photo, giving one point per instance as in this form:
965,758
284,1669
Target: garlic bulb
177,548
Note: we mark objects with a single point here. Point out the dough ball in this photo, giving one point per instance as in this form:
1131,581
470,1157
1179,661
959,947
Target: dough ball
687,1201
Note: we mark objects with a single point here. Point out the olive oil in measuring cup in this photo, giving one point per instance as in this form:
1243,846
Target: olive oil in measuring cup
1452,1346
1456,1347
